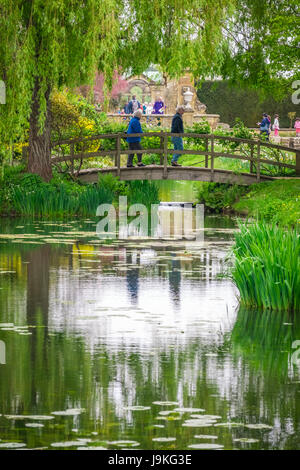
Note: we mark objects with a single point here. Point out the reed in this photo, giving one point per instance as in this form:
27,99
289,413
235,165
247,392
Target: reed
267,267
48,201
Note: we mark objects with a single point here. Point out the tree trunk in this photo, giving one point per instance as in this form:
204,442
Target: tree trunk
40,143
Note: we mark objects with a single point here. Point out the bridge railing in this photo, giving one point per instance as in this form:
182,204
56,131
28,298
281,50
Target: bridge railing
91,147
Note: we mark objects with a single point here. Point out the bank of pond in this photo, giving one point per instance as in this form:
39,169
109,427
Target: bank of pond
265,256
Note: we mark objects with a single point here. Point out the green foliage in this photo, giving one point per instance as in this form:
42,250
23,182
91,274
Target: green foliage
267,267
247,104
144,192
219,197
263,45
202,127
27,194
276,202
60,44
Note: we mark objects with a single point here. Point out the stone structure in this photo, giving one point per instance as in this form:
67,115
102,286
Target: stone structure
173,92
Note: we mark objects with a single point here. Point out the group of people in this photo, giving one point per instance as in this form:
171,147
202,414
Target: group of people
266,126
158,107
177,128
134,142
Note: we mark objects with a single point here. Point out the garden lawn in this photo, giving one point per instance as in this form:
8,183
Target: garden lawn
277,202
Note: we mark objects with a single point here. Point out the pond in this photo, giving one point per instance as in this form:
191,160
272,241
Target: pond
137,345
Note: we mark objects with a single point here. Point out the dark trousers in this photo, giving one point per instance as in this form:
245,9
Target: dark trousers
134,146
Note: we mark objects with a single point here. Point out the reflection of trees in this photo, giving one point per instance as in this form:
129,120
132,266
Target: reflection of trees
38,283
267,338
268,388
132,277
175,280
48,373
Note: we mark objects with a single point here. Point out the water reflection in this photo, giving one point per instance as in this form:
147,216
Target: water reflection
121,325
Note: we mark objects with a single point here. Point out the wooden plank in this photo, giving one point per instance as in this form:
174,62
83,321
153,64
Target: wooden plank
162,149
78,156
169,134
165,174
118,155
206,153
156,172
212,157
258,163
252,159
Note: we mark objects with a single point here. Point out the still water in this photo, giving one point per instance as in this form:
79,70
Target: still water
137,345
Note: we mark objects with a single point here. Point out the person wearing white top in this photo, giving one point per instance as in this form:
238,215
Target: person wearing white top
276,125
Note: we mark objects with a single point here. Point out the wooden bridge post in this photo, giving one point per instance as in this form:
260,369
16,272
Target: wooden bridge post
252,156
165,174
118,155
258,162
206,150
298,163
162,148
212,159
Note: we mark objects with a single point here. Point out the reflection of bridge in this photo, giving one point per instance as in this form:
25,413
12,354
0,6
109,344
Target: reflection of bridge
258,154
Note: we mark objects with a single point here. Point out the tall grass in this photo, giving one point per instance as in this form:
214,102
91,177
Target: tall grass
48,201
267,267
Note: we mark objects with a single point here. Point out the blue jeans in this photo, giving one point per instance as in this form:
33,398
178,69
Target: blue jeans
178,145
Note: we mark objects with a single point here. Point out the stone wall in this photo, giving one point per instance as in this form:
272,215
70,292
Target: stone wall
165,120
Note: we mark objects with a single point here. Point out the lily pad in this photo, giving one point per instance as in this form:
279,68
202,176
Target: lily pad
65,444
189,410
246,440
31,417
164,439
165,403
230,425
124,443
69,412
12,445
195,423
34,425
137,408
258,426
206,446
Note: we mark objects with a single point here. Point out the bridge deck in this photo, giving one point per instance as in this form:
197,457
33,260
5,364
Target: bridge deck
159,172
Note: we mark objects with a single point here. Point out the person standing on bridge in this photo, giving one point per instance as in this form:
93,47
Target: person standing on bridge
177,128
134,142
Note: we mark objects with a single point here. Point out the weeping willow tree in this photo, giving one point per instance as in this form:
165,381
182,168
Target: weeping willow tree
62,43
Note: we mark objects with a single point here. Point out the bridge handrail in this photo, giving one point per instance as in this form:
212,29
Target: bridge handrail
209,152
124,135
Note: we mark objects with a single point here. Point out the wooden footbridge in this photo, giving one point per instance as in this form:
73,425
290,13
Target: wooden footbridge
75,154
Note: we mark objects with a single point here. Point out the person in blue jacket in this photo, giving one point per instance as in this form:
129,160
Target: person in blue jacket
135,142
264,126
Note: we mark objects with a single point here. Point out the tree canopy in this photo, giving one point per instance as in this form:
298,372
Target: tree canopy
47,45
263,45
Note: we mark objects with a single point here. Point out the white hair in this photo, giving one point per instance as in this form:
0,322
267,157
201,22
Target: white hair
138,112
180,107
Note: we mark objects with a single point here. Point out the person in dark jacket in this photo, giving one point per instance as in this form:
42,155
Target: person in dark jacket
177,128
265,126
133,105
134,142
